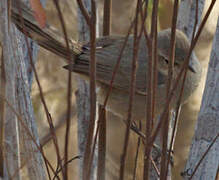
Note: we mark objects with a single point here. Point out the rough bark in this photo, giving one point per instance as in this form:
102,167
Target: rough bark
18,148
187,14
208,124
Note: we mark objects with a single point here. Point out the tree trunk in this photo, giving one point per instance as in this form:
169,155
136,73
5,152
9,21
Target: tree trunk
207,128
19,150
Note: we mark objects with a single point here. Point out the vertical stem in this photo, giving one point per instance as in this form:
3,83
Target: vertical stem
150,94
101,144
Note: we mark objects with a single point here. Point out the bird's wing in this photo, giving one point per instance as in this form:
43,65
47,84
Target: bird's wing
107,52
107,55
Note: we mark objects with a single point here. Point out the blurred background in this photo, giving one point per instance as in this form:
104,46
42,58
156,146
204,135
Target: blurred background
53,79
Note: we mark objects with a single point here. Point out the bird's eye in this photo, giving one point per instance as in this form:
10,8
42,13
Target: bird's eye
166,61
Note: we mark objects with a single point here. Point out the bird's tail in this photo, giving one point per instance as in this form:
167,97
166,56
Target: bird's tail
46,37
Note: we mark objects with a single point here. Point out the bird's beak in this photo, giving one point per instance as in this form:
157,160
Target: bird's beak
192,63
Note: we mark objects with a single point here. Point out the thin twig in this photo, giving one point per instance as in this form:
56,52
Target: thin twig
136,155
102,146
206,152
84,12
164,167
64,165
107,17
88,156
69,93
102,119
155,167
150,105
131,93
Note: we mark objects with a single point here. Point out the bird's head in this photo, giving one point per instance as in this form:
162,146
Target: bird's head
182,47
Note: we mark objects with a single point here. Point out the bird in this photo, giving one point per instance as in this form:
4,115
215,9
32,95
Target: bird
107,52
